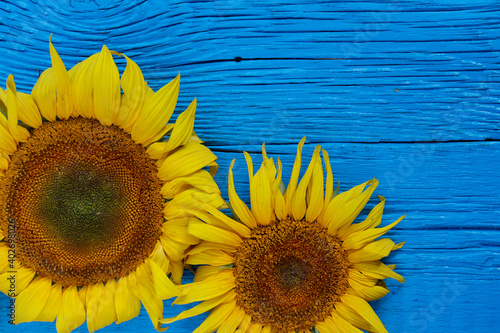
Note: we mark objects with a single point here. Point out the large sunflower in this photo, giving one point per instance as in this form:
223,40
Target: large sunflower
293,262
92,207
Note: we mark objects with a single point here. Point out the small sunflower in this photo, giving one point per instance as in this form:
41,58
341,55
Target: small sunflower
294,261
92,202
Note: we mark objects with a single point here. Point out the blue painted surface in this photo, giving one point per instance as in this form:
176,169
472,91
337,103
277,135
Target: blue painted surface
407,92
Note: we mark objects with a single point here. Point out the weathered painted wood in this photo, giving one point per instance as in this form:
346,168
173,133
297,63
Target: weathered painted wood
404,91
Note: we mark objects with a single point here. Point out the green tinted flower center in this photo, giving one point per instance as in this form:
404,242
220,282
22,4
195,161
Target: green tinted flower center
86,201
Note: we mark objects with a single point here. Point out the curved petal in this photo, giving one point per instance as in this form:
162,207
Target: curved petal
155,114
261,197
364,309
240,208
72,313
201,308
134,93
52,306
44,94
180,135
164,287
28,111
216,317
187,159
211,287
374,251
106,88
93,296
294,178
19,133
378,270
127,305
361,238
82,82
64,99
31,301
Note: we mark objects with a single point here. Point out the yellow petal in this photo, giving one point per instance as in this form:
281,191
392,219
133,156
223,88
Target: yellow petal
177,269
212,216
245,324
369,293
134,93
373,219
31,301
12,108
164,288
212,257
351,210
240,208
52,306
127,305
294,178
64,104
231,323
255,328
188,159
71,314
106,88
315,191
361,238
216,317
93,297
378,270
202,307
327,326
106,313
374,251
299,197
28,111
181,133
204,246
44,94
261,198
11,284
200,179
279,199
156,112
353,317
82,81
183,204
159,257
344,325
7,143
173,249
344,208
146,292
204,272
211,287
249,166
364,310
213,234
177,230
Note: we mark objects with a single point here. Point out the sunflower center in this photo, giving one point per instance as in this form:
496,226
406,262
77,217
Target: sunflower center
290,274
86,201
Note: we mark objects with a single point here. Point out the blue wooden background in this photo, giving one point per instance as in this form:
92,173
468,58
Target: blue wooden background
405,91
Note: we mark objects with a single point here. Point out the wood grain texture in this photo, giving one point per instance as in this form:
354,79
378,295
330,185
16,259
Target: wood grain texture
407,92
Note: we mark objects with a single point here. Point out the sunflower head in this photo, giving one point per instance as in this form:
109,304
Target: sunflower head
294,261
92,202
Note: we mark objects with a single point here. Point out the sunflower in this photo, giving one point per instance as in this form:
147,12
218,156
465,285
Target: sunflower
93,189
295,261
